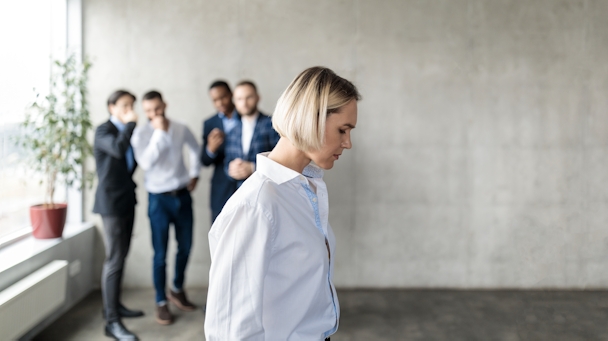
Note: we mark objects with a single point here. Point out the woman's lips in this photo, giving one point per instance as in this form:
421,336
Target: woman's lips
336,156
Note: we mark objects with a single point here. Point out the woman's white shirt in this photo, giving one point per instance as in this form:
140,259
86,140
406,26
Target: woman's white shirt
271,270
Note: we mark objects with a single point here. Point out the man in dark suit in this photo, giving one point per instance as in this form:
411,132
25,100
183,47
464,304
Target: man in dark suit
252,135
115,202
213,152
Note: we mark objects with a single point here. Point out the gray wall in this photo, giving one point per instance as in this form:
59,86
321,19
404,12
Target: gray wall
480,158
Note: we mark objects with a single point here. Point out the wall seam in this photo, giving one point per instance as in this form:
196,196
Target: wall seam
353,221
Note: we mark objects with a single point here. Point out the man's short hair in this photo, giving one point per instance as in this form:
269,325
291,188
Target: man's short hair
246,82
303,108
220,83
116,95
152,95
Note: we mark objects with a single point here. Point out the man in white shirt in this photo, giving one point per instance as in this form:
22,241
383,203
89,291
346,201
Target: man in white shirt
158,147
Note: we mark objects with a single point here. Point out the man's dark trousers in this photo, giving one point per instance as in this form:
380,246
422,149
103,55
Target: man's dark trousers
222,186
164,209
117,231
115,202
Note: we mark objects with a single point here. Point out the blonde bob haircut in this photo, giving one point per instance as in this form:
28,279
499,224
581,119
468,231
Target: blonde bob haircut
303,108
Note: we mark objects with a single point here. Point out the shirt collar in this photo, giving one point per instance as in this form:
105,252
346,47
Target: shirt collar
254,119
281,174
235,114
313,171
119,125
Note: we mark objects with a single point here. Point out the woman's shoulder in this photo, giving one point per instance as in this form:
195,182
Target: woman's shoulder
249,207
257,192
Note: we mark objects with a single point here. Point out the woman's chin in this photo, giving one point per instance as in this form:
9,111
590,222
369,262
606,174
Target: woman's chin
327,165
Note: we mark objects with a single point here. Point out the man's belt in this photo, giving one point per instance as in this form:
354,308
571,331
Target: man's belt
176,192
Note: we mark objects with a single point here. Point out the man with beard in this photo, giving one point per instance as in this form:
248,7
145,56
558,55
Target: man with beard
252,135
158,147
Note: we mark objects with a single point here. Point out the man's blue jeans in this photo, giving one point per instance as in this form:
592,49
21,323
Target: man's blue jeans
164,209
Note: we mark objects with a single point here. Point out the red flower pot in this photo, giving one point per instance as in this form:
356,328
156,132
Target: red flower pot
48,220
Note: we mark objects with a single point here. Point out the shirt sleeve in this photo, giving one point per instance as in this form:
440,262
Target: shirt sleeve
147,151
210,154
240,242
207,157
194,150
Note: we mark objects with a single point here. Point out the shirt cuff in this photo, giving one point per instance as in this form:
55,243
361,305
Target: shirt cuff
210,154
195,172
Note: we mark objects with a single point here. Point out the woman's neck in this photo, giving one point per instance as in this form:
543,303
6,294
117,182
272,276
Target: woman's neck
289,156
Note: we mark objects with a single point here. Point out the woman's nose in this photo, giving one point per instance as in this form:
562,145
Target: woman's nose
347,144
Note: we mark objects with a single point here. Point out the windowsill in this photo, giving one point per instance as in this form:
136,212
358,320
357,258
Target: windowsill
15,236
29,246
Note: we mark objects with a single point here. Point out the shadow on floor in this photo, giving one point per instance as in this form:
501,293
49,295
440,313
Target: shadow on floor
386,315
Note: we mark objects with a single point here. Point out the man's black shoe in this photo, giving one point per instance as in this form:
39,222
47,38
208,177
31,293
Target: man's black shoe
118,331
124,312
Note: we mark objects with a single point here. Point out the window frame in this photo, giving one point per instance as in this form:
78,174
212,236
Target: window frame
66,38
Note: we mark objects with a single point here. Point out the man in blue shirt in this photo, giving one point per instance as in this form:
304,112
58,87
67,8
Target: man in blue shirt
115,202
215,129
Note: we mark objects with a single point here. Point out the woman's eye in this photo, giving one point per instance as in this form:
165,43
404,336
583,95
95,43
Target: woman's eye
342,131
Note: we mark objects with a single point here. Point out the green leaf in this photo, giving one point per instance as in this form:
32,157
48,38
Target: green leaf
54,131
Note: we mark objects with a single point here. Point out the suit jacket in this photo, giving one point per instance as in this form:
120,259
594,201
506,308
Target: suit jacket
115,195
222,186
264,139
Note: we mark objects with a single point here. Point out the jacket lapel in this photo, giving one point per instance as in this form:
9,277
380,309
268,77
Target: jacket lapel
115,132
257,135
112,127
238,138
219,122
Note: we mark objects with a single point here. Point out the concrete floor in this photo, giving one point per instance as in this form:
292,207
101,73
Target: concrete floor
388,315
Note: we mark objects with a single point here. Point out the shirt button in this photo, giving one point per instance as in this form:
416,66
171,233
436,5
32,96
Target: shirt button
301,177
314,199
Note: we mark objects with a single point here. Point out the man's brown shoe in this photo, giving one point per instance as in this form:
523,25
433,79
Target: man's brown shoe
180,300
163,315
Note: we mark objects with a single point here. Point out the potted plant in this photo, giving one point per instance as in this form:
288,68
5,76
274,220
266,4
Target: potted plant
54,141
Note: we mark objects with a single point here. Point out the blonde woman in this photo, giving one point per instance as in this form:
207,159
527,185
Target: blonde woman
272,247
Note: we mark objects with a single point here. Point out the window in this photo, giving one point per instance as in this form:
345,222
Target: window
30,31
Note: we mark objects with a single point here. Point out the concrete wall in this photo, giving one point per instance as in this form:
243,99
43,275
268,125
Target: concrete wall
480,158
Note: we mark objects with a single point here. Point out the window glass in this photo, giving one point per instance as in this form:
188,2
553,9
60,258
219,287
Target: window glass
25,61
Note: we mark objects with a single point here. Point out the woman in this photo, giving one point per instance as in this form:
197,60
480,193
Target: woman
272,247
